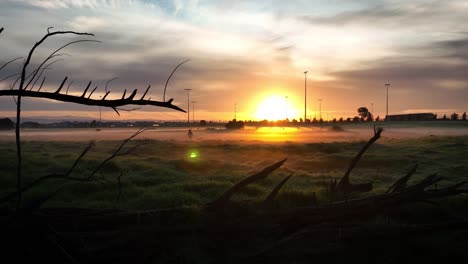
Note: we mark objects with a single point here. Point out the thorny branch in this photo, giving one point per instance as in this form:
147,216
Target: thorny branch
66,176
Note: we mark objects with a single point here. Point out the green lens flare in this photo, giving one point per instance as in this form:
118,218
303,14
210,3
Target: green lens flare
193,155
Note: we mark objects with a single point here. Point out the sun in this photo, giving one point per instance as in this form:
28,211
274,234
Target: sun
274,108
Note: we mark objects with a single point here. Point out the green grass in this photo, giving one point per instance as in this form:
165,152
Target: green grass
162,174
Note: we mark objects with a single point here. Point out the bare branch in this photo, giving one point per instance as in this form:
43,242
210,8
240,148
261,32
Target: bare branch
400,184
8,62
20,90
87,87
276,190
89,96
53,54
224,198
61,85
42,83
89,101
344,182
108,82
117,152
47,67
167,81
147,89
9,76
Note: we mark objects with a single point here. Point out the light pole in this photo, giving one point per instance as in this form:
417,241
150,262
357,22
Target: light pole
386,116
188,105
286,106
320,108
193,111
372,108
305,96
235,111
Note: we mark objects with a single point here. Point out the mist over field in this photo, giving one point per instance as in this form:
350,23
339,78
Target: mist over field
325,133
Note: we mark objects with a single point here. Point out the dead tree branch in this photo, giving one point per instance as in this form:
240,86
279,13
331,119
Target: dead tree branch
401,183
167,81
66,176
112,103
224,198
276,190
20,91
344,186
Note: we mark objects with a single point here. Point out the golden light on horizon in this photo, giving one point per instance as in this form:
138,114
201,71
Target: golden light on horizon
275,108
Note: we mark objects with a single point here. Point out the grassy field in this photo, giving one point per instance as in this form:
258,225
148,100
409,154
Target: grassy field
167,174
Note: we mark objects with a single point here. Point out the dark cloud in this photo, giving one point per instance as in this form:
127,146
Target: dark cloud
404,15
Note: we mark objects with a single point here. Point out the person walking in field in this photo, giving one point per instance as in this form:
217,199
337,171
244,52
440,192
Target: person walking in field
190,133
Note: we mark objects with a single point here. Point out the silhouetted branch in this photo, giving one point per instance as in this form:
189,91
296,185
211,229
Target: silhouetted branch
276,190
66,176
88,101
118,152
167,81
54,54
224,198
400,184
18,102
344,184
9,76
8,62
108,82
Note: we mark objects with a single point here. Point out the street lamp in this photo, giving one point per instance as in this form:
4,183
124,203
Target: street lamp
188,105
320,108
235,111
193,111
387,85
305,96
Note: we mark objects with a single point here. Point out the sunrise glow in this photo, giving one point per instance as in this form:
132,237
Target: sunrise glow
275,108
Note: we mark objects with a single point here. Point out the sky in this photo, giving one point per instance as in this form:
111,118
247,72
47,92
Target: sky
247,58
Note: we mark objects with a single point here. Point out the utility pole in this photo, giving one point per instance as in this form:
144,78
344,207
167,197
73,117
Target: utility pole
235,111
188,105
305,96
193,111
386,116
320,108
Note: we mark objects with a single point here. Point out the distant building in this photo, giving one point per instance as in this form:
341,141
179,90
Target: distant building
6,123
412,117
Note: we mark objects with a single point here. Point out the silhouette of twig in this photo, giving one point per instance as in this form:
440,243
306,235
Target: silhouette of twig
167,81
67,175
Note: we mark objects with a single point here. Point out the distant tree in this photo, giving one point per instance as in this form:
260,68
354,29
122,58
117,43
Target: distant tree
464,116
454,116
370,117
334,120
340,120
356,119
444,117
348,119
202,123
363,112
377,119
6,123
301,120
435,116
93,123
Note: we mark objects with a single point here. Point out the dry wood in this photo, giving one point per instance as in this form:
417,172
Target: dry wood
344,186
224,198
269,199
400,184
